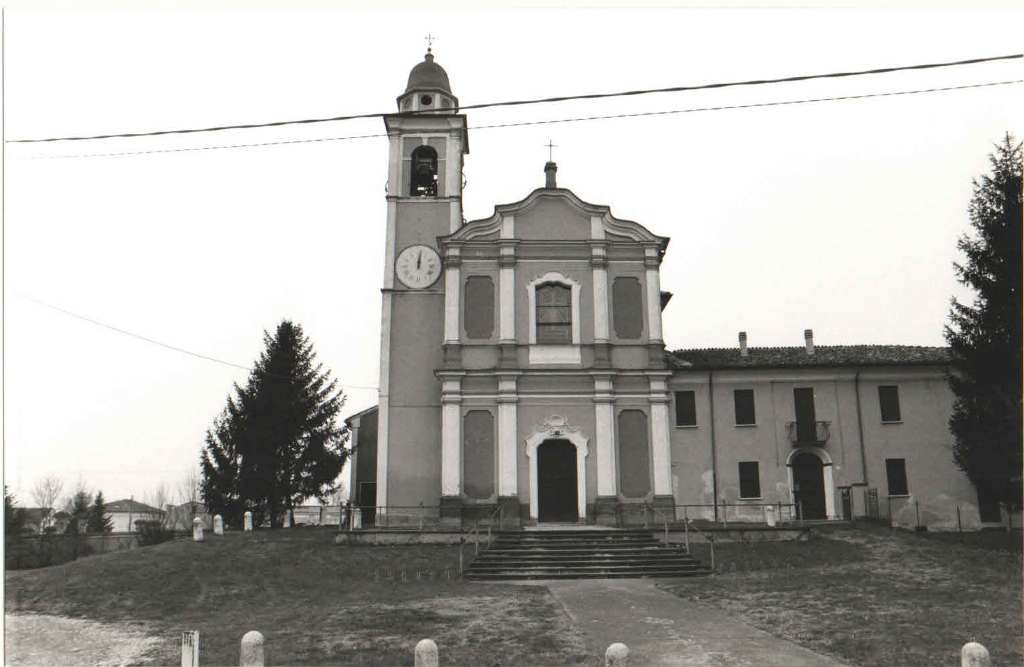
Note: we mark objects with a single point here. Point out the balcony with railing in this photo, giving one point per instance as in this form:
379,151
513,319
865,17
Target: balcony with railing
802,434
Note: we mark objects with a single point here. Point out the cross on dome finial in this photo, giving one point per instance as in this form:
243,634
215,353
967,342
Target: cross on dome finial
430,41
550,147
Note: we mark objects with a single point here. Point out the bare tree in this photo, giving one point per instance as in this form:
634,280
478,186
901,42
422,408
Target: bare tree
45,494
158,497
189,492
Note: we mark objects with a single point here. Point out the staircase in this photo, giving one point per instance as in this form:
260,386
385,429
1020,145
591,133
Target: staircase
581,554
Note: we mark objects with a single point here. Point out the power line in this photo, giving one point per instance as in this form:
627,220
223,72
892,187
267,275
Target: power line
544,100
544,122
160,343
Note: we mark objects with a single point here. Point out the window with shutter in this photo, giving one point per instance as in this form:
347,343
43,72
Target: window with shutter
554,314
686,409
889,403
744,401
750,480
896,474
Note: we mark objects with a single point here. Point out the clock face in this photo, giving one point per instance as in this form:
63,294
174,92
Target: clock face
418,266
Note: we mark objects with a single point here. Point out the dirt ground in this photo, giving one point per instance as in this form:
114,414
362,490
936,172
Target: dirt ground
73,641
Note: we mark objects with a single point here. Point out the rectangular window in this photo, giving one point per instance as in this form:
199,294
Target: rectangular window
889,401
744,400
896,474
750,480
554,314
686,409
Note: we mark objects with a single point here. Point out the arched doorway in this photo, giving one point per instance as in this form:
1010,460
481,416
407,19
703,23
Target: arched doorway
557,485
809,485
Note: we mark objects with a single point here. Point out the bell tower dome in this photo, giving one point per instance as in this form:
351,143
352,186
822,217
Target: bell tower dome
428,89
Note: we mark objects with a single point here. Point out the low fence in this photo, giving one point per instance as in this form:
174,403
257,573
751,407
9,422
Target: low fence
253,652
32,551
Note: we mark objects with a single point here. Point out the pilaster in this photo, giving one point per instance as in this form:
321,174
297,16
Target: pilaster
508,483
661,449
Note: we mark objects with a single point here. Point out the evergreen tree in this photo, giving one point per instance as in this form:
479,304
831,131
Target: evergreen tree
97,520
278,441
985,337
14,518
78,508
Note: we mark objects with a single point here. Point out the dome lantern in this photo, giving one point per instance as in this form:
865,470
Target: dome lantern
428,88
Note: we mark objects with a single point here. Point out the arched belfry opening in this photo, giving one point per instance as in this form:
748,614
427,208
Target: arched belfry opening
423,182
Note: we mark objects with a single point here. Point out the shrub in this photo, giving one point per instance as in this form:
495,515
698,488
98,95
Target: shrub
152,532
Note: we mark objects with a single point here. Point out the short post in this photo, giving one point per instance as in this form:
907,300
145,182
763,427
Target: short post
251,654
959,527
426,654
247,522
725,512
974,654
287,522
460,556
686,534
357,518
711,541
917,511
190,649
218,524
617,655
197,530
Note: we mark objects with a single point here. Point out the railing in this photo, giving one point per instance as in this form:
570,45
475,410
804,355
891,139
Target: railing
660,513
405,517
498,512
808,433
724,513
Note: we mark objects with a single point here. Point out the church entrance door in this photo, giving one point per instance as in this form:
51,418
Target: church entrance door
556,481
809,486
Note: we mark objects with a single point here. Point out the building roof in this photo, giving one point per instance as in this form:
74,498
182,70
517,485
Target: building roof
128,505
714,358
428,75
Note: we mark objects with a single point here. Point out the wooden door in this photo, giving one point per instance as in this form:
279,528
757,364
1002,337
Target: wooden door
556,481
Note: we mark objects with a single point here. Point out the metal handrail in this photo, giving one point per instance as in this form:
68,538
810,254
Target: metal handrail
499,510
656,511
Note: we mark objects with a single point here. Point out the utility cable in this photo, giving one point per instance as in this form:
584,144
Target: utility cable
160,343
544,100
542,122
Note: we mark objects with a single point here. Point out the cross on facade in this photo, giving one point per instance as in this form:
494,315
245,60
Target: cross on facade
551,146
430,41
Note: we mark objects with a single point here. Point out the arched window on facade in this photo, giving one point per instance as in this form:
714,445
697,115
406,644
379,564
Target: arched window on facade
424,172
554,314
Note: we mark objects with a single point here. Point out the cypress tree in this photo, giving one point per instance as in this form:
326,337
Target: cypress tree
984,337
278,441
97,520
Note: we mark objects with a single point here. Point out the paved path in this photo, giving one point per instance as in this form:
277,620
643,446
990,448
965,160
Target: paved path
40,639
662,629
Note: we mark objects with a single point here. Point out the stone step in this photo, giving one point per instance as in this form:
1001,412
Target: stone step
555,574
582,564
582,553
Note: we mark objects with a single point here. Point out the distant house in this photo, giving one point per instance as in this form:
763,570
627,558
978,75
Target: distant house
36,518
179,517
124,513
60,522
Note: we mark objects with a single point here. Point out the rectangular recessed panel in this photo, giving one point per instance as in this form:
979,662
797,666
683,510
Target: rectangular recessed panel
478,453
634,455
478,314
627,307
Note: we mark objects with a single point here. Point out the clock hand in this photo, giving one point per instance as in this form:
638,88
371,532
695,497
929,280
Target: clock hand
419,258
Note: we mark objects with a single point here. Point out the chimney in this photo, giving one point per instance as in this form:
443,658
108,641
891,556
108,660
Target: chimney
743,344
549,175
809,341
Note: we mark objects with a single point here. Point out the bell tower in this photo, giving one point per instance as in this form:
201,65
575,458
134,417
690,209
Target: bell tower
427,139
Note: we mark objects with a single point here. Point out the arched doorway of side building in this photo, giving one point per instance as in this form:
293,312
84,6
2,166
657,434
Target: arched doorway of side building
557,486
810,479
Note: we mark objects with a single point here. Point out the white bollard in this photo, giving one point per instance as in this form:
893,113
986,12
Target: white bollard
617,655
974,654
190,648
357,518
218,525
426,653
197,530
247,522
287,523
769,516
251,654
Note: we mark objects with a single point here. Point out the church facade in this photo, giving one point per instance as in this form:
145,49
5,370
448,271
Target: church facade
523,367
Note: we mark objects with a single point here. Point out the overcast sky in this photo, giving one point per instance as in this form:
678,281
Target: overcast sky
837,216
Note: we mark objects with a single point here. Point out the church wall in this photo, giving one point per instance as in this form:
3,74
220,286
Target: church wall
421,218
552,220
472,309
531,413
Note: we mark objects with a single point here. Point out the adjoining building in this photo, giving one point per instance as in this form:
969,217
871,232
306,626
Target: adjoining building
523,365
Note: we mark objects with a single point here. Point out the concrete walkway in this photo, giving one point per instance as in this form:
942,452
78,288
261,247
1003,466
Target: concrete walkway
662,629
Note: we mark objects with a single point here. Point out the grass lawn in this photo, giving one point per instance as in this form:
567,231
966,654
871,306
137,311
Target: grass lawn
315,602
874,596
